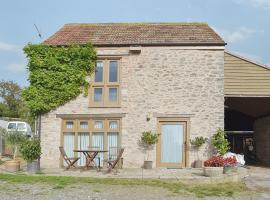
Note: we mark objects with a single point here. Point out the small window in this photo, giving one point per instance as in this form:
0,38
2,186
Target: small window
113,71
12,126
69,125
97,94
84,125
21,126
105,85
113,125
112,94
98,125
99,72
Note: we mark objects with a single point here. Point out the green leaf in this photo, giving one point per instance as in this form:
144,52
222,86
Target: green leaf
56,74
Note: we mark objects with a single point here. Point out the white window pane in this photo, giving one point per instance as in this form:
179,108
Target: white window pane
98,125
97,94
112,94
84,125
113,145
83,144
113,72
69,144
171,143
69,125
99,72
113,124
98,142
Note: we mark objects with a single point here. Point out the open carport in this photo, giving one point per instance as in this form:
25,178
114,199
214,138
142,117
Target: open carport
247,107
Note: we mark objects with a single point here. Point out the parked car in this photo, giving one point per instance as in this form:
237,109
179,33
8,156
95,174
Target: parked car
20,126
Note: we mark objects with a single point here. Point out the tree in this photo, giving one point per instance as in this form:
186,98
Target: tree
12,104
10,93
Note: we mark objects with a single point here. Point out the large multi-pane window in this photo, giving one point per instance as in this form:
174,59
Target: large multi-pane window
106,83
81,134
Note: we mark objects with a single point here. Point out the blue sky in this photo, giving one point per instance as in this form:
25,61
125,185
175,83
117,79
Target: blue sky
244,24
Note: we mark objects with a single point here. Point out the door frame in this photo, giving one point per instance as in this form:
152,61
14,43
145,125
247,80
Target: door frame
186,123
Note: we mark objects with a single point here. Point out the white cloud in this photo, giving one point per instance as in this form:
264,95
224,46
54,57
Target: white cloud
8,47
16,67
242,33
255,3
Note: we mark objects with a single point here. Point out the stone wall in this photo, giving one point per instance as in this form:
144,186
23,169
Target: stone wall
165,80
262,138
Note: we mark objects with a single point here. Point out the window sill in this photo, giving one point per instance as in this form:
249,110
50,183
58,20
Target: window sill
116,106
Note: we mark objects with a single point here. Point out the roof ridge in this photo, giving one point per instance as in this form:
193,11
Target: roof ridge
137,33
137,23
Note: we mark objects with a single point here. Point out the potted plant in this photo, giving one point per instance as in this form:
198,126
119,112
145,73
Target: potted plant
13,139
31,151
230,165
197,142
220,143
148,139
215,166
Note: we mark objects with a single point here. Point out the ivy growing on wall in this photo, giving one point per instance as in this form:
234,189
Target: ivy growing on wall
57,74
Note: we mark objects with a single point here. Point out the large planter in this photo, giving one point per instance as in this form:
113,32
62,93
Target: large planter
33,167
230,169
198,164
12,165
212,171
147,164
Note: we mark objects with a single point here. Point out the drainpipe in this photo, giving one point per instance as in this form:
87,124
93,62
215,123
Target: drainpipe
39,126
39,134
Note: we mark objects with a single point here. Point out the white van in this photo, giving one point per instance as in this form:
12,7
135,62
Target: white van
20,126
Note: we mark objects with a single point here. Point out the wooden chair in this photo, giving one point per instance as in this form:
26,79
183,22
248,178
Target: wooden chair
69,160
115,155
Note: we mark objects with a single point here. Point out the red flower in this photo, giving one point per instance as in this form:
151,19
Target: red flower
219,161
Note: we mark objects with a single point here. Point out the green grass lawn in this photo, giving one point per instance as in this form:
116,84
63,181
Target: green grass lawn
177,187
1,162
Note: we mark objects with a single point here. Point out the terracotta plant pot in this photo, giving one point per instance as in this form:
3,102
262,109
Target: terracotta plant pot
147,164
212,171
12,165
198,164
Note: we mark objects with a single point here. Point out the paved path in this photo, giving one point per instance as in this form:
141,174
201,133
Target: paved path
258,179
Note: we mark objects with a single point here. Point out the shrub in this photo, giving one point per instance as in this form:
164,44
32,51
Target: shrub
219,161
220,143
198,141
149,138
31,150
14,139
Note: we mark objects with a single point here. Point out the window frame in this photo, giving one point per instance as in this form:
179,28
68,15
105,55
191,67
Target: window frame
106,84
77,130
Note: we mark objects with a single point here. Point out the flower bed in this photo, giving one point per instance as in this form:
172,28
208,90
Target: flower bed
215,166
219,161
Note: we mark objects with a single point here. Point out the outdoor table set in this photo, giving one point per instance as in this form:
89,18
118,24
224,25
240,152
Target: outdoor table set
91,156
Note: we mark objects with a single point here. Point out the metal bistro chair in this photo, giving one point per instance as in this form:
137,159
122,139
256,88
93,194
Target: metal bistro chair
69,160
115,155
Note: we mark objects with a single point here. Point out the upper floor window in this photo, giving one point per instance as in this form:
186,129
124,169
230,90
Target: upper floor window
106,83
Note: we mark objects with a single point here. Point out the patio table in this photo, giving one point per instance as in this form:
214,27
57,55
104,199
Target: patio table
90,155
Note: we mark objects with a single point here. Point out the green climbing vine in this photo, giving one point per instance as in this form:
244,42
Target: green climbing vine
57,74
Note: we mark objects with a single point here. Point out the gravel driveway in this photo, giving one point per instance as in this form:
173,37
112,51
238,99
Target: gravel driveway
18,191
258,181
